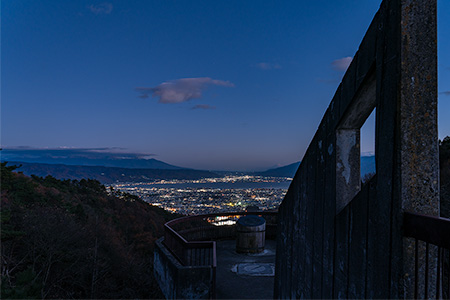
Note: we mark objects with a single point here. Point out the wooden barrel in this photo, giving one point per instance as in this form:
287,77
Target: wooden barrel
251,234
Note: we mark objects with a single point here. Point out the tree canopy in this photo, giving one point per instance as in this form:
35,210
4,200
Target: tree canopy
75,239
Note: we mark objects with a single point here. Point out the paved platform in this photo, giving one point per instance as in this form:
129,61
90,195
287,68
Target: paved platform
244,276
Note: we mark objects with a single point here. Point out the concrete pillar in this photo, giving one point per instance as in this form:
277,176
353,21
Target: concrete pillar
419,156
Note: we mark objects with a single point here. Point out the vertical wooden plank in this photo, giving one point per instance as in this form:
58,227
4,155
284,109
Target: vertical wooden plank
371,194
328,217
357,244
284,246
280,266
298,252
319,143
289,245
279,250
330,197
341,254
301,243
391,90
372,239
380,209
309,223
302,291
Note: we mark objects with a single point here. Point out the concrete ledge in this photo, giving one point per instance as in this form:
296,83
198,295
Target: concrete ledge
181,282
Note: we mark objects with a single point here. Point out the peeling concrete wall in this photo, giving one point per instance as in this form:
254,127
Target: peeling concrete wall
348,182
336,238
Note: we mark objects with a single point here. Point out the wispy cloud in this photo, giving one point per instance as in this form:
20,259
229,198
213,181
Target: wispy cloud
446,93
267,66
107,157
181,90
342,63
203,106
104,8
69,152
73,151
368,153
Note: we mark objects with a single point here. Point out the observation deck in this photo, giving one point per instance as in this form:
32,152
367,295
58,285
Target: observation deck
197,258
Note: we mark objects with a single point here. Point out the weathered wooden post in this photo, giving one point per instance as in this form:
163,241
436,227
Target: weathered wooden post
418,147
340,239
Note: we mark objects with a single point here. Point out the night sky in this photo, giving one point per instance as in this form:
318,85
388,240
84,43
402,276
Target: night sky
217,85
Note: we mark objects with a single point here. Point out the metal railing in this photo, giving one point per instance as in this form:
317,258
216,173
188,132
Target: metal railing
432,231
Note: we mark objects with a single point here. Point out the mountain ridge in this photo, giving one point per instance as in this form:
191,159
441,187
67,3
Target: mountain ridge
108,175
367,166
284,171
85,157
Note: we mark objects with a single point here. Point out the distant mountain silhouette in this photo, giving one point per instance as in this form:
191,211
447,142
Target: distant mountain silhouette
285,171
107,175
139,164
367,166
85,157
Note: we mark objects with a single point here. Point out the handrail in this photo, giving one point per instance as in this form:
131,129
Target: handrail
179,246
224,214
430,229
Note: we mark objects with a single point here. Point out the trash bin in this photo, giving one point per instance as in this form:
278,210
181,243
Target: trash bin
251,234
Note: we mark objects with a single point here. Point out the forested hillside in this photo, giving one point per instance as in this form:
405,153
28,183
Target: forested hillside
75,239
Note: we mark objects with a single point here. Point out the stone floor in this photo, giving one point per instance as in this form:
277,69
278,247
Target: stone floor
244,276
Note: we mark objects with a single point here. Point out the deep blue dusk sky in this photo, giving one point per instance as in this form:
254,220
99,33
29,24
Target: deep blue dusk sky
219,85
